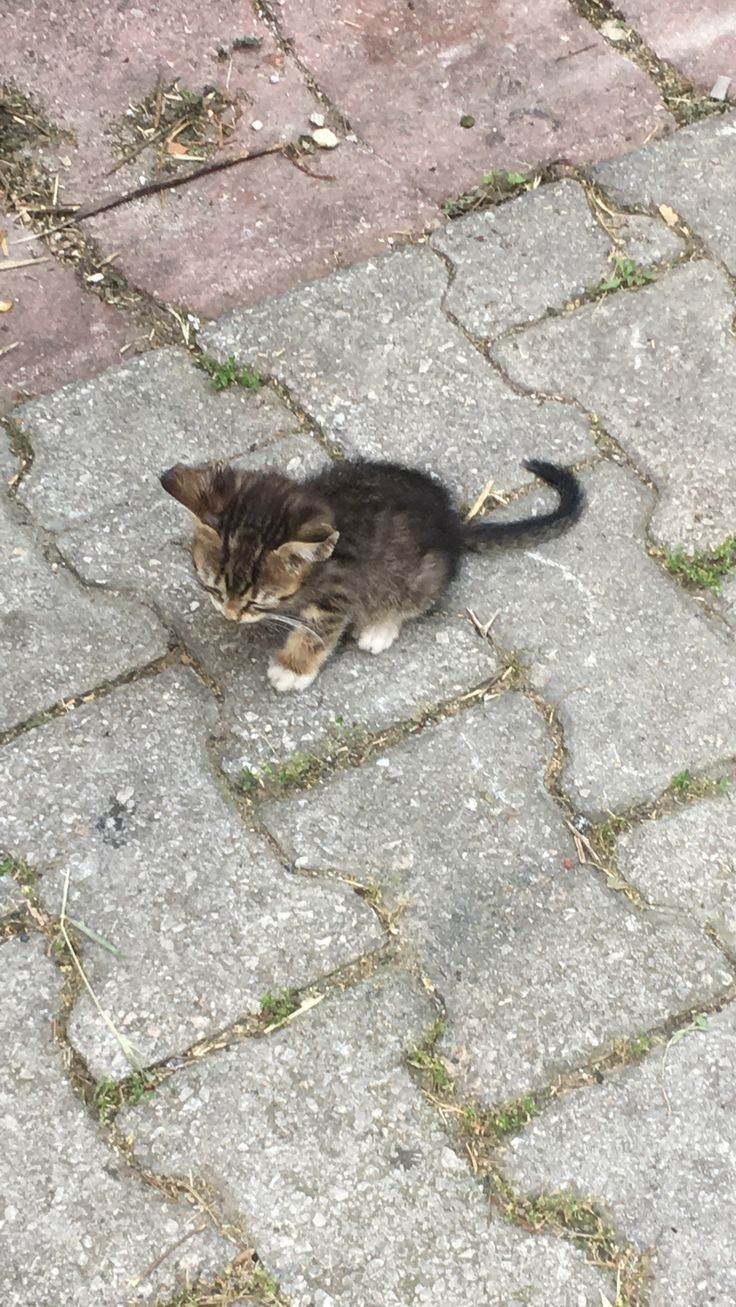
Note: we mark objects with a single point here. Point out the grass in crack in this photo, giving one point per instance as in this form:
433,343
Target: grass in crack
627,274
111,1095
495,188
704,569
245,1280
229,373
686,787
424,1057
18,869
277,1007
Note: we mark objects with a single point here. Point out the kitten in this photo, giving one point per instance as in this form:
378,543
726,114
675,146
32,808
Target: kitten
357,547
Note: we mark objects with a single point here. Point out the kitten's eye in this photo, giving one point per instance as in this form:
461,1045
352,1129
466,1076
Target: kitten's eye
211,590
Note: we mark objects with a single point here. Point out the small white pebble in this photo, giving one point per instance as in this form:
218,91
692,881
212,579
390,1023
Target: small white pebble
194,605
274,78
257,125
95,276
324,138
317,119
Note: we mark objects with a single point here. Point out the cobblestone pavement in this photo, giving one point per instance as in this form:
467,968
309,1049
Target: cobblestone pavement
422,101
420,987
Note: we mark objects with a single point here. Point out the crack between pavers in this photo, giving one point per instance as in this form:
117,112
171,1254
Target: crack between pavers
287,47
478,1132
69,245
99,691
613,451
475,1132
102,1099
677,92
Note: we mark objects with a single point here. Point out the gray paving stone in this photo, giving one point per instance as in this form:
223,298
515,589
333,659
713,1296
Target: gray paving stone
539,964
370,355
692,171
728,600
656,1144
516,263
644,683
9,464
646,240
342,1170
12,897
101,443
658,366
142,549
77,1225
56,640
119,793
687,860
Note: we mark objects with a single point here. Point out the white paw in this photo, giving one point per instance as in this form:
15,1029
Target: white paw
376,639
283,680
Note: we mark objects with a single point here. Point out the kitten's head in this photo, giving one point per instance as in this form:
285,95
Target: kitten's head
257,536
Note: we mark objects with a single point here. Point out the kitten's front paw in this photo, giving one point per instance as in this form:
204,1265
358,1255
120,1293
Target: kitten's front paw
377,639
283,679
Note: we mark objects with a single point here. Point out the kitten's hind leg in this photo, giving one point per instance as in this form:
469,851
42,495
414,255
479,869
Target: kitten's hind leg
378,636
295,666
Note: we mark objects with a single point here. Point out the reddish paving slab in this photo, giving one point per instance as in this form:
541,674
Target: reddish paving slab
88,63
697,36
239,236
59,332
540,83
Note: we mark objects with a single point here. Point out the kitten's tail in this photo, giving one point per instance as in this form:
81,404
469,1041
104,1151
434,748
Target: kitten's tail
531,530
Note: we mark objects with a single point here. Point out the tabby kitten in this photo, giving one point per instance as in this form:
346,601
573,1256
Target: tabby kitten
358,547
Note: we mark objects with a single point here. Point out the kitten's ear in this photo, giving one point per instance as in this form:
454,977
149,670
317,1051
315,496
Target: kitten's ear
316,545
205,490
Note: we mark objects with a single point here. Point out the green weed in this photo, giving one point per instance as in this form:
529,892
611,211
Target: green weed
228,373
627,275
705,569
277,1007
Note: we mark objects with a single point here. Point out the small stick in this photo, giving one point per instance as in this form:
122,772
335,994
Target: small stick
164,184
480,501
138,1279
7,348
7,264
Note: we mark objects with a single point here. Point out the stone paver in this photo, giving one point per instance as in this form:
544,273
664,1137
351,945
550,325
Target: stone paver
656,1146
153,411
691,172
357,1197
657,366
644,684
12,898
58,331
9,462
371,356
539,964
523,72
120,795
687,860
56,639
77,1224
701,42
514,263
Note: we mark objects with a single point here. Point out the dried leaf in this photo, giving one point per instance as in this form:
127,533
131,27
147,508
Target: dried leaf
671,218
173,147
6,306
4,241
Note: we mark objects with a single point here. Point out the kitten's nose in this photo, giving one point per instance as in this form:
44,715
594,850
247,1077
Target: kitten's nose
232,609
